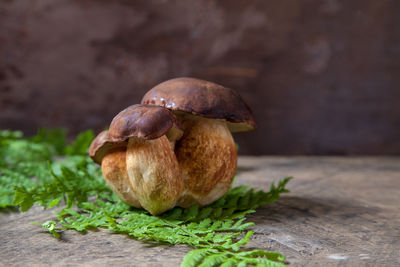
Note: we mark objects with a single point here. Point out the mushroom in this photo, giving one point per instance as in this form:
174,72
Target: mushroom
137,157
206,153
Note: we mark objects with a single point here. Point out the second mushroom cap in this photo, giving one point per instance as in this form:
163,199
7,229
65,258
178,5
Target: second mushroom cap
139,121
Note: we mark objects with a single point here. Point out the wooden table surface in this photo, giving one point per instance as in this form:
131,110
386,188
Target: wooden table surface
342,211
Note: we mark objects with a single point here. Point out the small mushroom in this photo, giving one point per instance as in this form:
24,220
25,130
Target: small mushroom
206,153
137,157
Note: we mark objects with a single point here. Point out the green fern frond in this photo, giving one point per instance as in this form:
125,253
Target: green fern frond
31,173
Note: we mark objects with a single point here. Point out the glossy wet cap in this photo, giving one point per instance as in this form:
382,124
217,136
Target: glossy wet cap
203,98
139,121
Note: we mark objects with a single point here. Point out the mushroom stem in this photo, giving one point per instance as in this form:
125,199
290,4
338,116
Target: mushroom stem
207,158
114,171
154,173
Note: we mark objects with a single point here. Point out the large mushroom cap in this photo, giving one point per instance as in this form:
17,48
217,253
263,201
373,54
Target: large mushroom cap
203,98
140,121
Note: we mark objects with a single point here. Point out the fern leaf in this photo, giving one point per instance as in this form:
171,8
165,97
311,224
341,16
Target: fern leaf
205,223
194,257
229,263
204,213
213,260
190,213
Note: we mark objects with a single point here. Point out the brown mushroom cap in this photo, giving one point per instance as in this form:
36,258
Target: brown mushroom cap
140,121
203,98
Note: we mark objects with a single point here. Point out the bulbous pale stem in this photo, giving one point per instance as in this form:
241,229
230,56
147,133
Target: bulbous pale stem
207,158
154,173
114,171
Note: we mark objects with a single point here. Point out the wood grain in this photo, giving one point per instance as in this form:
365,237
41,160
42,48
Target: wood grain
342,211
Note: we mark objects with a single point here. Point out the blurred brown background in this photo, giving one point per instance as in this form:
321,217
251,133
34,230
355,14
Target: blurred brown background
322,77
